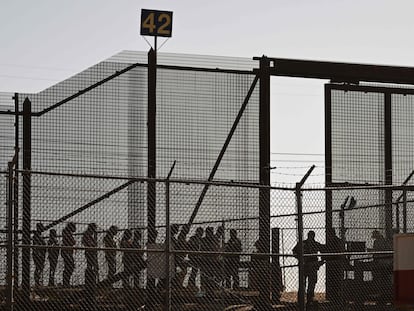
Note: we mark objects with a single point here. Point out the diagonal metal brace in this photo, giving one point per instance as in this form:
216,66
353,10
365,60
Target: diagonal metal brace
88,205
223,149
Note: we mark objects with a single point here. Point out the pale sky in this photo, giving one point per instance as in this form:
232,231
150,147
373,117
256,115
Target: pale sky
46,41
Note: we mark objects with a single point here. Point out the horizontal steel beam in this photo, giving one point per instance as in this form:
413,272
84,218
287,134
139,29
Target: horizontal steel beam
340,72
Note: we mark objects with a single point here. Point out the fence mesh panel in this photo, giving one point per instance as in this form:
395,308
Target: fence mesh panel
87,254
83,234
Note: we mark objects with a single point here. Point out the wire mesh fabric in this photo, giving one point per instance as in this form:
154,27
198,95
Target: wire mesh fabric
101,261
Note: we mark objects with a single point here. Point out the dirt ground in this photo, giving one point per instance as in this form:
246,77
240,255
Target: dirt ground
293,296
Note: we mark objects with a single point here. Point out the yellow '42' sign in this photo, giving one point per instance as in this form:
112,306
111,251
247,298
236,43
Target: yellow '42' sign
156,23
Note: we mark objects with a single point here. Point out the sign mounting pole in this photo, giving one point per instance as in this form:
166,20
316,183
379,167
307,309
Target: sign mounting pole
156,24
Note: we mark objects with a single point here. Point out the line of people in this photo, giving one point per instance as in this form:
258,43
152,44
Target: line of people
132,261
213,269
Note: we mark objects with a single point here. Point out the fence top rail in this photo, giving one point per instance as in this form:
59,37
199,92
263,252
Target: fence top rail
344,187
221,182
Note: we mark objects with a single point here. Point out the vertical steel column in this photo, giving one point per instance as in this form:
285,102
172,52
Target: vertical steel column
301,263
388,163
9,276
328,156
328,182
26,221
152,147
16,250
264,176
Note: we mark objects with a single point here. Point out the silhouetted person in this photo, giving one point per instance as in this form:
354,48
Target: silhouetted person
194,245
39,253
255,262
335,266
152,270
53,255
110,254
208,262
182,245
68,241
218,259
232,262
138,261
174,229
127,258
311,263
89,239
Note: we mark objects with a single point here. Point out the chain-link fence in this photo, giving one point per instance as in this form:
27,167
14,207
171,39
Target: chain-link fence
82,229
84,252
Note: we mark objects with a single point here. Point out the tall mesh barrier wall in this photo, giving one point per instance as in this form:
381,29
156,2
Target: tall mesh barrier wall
89,163
402,157
358,148
103,132
370,144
